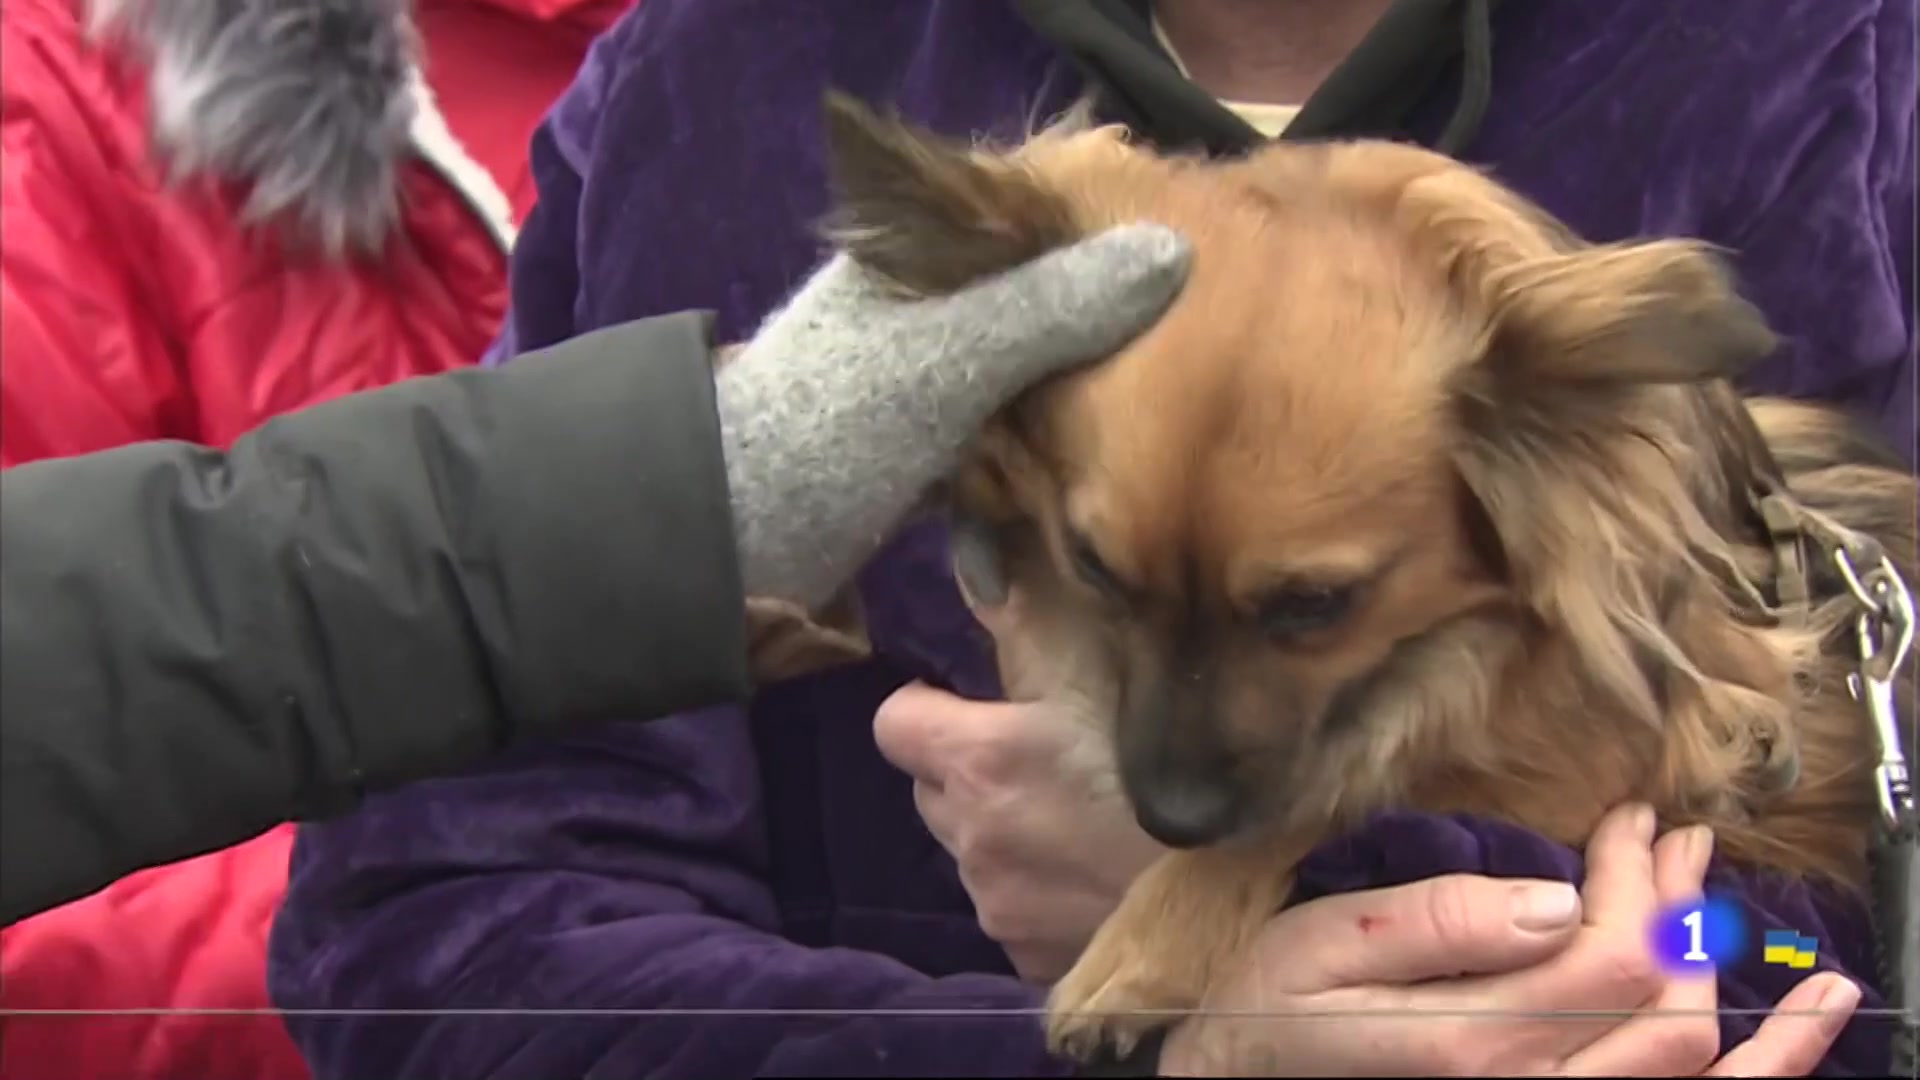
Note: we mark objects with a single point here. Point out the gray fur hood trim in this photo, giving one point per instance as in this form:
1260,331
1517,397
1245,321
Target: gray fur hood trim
307,101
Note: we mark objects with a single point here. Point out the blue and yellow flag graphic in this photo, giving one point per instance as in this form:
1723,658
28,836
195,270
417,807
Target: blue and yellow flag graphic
1788,948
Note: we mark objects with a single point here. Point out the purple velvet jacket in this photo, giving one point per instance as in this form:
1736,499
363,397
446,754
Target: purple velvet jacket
653,876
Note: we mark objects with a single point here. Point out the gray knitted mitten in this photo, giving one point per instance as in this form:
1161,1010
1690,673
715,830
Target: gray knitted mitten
849,403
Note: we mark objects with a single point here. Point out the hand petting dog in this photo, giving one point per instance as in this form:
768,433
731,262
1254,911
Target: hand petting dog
852,400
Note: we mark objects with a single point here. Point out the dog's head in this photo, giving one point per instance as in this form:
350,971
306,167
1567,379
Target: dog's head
1396,414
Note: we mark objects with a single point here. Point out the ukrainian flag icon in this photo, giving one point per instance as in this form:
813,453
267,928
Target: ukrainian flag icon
1789,949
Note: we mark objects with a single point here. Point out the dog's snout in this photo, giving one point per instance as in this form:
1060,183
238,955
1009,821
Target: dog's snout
1187,808
1179,771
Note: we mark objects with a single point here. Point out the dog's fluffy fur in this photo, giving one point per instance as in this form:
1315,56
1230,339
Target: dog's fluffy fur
1412,498
306,101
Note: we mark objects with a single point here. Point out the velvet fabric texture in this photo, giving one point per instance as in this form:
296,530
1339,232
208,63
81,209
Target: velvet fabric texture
768,860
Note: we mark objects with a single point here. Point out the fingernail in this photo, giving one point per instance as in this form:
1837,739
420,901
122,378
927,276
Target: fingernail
1540,908
1836,1005
1699,844
1644,822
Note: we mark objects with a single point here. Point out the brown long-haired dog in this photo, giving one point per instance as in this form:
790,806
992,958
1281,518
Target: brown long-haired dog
1412,498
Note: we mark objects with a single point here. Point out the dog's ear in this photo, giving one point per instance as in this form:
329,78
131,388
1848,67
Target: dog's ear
928,214
1651,312
1560,313
1578,347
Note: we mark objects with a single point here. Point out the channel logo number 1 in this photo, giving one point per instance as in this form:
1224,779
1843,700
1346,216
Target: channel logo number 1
1696,937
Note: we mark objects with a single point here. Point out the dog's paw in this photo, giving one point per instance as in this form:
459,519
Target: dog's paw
1104,1006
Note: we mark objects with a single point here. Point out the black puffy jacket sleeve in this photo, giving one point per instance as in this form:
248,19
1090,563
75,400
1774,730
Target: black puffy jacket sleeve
199,645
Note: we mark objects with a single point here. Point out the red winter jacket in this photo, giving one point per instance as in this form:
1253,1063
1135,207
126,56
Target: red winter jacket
133,309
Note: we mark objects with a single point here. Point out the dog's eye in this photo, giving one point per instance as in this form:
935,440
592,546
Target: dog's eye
1092,568
1304,609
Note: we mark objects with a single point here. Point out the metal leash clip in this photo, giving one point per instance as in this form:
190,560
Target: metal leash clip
1884,635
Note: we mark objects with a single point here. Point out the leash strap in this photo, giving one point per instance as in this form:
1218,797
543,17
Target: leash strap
1895,870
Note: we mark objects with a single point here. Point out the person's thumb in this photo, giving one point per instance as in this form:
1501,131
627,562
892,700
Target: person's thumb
926,732
931,734
906,729
1446,926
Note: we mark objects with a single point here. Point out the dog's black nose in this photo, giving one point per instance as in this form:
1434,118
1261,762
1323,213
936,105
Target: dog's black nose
1187,812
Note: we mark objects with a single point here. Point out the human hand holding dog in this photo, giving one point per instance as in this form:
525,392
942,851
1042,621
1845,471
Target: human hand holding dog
1014,791
1046,850
1378,959
1021,795
1047,857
